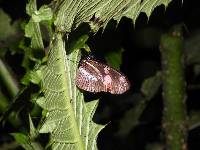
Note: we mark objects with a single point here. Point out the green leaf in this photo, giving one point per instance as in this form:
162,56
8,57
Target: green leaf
32,29
6,29
114,58
9,34
79,43
26,142
131,118
98,13
7,80
33,132
194,120
146,6
44,13
32,76
191,47
31,7
23,140
3,103
19,102
151,85
69,118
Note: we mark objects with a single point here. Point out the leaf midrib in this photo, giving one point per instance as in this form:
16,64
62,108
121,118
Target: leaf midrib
64,79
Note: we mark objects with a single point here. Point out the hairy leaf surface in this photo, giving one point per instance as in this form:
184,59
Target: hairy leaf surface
97,13
69,118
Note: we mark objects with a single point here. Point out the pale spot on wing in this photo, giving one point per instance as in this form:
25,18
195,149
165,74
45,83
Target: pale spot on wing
107,80
87,74
122,79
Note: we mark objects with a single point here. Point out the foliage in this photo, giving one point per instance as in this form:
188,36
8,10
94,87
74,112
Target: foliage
51,49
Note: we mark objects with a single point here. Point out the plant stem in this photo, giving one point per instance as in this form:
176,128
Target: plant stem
4,103
12,88
174,115
8,80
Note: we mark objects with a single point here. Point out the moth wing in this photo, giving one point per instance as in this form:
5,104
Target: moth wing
119,82
89,79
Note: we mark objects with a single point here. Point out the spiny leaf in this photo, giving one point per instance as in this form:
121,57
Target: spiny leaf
23,140
31,76
26,142
69,117
35,51
44,13
33,131
71,13
32,29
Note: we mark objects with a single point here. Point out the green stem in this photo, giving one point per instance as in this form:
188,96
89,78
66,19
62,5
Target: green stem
174,115
11,86
8,80
4,104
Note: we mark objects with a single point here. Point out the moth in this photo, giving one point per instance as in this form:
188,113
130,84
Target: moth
94,76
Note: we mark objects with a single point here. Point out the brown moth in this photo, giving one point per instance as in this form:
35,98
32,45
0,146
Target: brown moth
93,76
